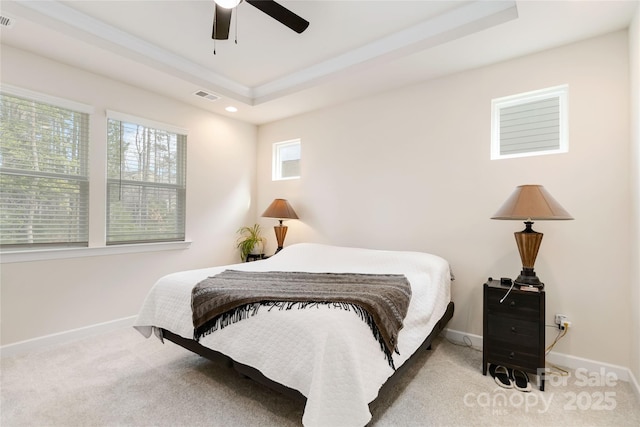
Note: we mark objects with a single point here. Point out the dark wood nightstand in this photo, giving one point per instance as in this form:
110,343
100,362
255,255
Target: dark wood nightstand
255,257
513,329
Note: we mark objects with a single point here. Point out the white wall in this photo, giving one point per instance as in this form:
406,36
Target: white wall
40,298
634,57
410,170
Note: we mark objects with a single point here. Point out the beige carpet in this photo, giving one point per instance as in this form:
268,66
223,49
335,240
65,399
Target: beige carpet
122,379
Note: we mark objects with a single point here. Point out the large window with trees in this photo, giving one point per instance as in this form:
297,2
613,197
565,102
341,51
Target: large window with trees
146,180
44,177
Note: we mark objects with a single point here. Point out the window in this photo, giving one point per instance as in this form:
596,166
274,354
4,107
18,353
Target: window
286,160
530,124
44,181
146,181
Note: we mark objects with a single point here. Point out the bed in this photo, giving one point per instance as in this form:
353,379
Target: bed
324,354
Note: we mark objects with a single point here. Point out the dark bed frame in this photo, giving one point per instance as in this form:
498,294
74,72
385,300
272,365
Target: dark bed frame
257,376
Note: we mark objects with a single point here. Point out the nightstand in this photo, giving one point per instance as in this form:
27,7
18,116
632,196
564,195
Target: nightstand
255,257
513,329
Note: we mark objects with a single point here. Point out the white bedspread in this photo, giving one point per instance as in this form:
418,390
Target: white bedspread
328,354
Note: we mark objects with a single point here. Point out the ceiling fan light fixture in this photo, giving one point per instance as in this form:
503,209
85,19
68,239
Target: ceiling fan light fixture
227,4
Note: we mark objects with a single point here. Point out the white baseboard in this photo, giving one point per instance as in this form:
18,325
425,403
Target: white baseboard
40,343
471,340
561,359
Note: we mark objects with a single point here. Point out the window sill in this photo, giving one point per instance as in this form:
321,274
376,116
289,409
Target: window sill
62,253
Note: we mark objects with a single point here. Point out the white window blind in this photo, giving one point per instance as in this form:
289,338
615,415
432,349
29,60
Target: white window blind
146,182
530,124
44,184
286,160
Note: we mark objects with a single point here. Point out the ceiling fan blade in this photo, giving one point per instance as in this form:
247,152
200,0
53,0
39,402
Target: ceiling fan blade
221,23
281,14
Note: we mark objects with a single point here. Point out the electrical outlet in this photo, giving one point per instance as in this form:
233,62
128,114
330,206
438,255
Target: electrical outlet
561,320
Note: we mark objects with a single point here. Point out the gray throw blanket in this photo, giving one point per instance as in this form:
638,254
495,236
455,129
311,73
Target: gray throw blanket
381,300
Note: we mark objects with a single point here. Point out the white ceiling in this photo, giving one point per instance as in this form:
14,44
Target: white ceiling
352,48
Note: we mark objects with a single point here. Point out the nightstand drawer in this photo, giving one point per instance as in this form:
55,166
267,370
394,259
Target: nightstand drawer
516,331
516,303
501,353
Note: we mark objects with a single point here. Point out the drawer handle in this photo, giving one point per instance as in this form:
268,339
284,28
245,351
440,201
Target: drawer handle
512,304
514,330
512,355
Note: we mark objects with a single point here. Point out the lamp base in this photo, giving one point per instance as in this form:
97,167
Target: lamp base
528,277
281,232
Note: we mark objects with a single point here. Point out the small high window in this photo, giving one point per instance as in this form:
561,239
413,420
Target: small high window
286,160
530,124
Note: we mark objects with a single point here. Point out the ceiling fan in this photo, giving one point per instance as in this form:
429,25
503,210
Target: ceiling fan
222,16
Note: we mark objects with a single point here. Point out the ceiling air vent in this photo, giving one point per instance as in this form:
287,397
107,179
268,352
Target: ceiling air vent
207,95
6,22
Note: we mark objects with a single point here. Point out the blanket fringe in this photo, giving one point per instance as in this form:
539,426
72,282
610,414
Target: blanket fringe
248,310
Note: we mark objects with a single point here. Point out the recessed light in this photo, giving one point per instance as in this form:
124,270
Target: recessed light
231,109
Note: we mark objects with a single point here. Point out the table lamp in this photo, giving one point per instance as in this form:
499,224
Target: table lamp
528,203
282,210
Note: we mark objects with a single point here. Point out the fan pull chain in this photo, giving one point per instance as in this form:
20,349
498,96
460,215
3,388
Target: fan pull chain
215,28
236,15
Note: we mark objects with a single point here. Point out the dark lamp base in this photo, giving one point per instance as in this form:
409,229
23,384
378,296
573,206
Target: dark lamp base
528,277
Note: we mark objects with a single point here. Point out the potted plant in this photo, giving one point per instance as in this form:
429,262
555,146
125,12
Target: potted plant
250,241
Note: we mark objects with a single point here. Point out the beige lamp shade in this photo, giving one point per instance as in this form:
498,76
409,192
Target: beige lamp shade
280,209
531,202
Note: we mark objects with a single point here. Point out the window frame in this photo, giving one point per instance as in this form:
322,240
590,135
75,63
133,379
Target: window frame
83,179
179,187
561,92
276,168
97,183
